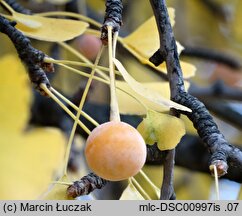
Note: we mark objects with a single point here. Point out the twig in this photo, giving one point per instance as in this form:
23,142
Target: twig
31,57
218,90
86,185
72,6
225,111
212,55
207,129
167,189
113,18
193,155
219,10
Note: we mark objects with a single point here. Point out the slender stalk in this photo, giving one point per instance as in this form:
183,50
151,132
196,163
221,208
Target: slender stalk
69,14
48,92
140,189
85,115
62,183
11,10
83,58
114,110
68,150
154,187
83,73
77,63
216,181
97,33
103,81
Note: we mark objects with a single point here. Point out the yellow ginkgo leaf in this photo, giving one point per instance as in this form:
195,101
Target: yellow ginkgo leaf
58,191
130,193
14,80
145,39
49,29
28,162
163,129
188,125
145,92
28,159
28,23
136,108
144,42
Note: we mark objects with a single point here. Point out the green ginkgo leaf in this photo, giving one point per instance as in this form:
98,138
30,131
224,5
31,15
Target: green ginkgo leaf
163,129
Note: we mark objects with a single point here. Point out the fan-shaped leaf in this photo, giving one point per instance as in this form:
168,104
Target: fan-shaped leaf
163,129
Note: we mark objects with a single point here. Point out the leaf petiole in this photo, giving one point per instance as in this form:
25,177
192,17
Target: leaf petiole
76,63
140,189
68,150
114,109
85,115
48,92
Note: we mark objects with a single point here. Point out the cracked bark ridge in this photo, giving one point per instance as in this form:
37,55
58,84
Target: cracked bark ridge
17,7
221,151
113,18
207,129
161,55
31,57
86,185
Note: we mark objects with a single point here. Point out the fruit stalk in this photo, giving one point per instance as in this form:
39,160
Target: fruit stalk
114,110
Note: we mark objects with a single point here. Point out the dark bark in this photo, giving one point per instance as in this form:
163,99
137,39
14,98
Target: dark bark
31,57
207,129
193,155
190,152
86,185
225,111
212,55
221,11
113,18
165,54
167,189
217,90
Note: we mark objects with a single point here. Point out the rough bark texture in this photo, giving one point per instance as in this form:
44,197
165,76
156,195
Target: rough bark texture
86,185
164,53
202,120
113,18
31,57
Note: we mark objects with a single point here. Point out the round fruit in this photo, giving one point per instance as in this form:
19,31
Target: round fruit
115,151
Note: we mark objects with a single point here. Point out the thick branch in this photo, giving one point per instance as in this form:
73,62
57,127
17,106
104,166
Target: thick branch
207,129
31,57
164,54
